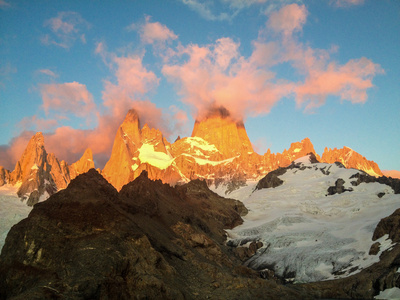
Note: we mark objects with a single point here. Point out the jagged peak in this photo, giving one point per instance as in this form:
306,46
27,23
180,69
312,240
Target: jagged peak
132,116
88,153
37,139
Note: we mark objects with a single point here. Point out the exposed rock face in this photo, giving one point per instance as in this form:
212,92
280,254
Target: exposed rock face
4,176
271,180
394,183
84,164
148,241
32,159
41,173
351,159
131,152
338,188
33,170
127,141
390,226
228,136
219,151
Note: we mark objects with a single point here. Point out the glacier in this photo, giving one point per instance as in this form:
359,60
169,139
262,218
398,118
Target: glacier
308,235
12,210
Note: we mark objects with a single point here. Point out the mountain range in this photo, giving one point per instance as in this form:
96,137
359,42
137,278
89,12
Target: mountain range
155,223
218,151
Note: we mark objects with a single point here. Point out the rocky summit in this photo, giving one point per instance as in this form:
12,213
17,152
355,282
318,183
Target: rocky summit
40,174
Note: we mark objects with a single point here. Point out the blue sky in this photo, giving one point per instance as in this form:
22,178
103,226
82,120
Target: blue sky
327,70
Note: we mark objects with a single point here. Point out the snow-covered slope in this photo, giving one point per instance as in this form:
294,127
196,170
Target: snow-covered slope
307,234
12,210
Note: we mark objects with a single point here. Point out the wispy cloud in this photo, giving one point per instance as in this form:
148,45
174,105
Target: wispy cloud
204,9
69,97
4,4
65,29
48,72
227,10
6,70
346,3
37,124
153,32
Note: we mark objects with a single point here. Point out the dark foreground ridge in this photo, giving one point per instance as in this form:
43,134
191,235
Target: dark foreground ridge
147,241
151,241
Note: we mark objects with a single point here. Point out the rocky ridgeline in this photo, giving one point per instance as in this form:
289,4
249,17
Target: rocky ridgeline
219,151
41,174
147,241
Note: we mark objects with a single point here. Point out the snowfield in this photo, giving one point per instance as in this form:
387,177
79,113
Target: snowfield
12,210
308,236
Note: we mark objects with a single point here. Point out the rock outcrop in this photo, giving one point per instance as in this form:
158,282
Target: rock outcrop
135,150
147,241
84,164
226,134
351,159
4,176
32,171
41,174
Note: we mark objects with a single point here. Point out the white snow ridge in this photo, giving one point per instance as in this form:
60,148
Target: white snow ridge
307,234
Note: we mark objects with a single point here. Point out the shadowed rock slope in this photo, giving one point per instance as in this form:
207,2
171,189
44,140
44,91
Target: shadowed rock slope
152,241
147,241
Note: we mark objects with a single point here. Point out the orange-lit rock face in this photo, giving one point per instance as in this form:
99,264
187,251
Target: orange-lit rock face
42,172
127,141
84,164
219,150
135,150
351,159
228,136
33,158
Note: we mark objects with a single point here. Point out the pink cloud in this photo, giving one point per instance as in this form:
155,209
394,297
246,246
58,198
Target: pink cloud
349,82
154,32
288,19
11,153
37,124
65,29
216,75
69,97
133,81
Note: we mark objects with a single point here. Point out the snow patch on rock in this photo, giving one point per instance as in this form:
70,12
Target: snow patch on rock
161,160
